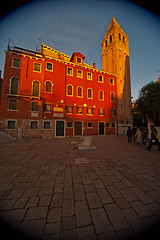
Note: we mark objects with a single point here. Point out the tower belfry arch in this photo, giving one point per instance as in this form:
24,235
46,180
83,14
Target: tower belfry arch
115,59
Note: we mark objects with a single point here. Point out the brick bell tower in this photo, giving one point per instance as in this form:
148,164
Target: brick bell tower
115,59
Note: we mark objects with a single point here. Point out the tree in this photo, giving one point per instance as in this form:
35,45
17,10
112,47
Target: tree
148,102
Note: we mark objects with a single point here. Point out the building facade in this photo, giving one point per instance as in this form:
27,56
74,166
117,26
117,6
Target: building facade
51,94
115,59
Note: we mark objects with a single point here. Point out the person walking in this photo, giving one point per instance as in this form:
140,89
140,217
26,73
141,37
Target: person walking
129,134
139,136
154,137
134,131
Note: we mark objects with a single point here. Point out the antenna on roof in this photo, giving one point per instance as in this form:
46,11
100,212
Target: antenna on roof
9,44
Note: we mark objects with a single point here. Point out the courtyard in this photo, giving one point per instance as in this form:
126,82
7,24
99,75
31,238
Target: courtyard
49,189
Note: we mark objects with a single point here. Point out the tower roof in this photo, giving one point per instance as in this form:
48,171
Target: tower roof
114,25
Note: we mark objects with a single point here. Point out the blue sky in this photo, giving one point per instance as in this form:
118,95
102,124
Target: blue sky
80,25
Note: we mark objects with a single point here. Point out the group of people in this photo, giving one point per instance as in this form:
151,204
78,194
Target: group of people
140,135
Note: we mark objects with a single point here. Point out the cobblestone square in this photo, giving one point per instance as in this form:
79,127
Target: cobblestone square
111,192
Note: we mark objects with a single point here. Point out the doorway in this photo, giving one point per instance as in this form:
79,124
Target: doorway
59,128
77,128
101,128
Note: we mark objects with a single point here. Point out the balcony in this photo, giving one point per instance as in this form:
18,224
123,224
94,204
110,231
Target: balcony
23,93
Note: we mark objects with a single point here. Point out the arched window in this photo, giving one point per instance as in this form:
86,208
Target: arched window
119,36
110,38
69,90
79,92
48,87
14,85
101,95
36,88
112,97
89,93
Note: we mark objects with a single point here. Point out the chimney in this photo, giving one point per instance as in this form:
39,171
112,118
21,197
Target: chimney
94,65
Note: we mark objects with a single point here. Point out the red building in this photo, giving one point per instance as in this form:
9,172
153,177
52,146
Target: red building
51,94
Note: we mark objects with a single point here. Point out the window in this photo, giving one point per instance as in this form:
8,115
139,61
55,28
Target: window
79,110
119,35
69,124
123,39
14,85
11,124
69,109
69,90
35,88
16,62
112,97
47,125
101,111
111,81
89,110
90,125
48,87
107,125
106,43
79,73
37,67
70,71
79,92
12,104
49,66
79,60
100,78
47,107
113,125
89,75
101,95
34,125
113,113
89,93
34,106
110,38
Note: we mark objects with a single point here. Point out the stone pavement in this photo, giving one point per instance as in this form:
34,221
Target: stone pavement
47,193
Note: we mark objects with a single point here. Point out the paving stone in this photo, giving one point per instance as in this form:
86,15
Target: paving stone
116,217
20,203
141,209
104,196
52,228
114,192
68,193
82,214
128,195
107,235
79,192
70,234
122,203
89,188
16,193
57,200
141,195
54,215
44,201
86,233
93,200
36,213
15,215
134,220
68,223
100,221
33,228
32,202
68,208
7,204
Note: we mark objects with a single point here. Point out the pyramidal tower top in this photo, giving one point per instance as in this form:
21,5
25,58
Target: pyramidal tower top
115,59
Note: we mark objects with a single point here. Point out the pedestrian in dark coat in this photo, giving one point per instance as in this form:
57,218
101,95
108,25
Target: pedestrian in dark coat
154,138
129,134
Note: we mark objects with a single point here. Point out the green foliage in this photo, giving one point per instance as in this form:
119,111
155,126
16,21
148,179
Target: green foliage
148,103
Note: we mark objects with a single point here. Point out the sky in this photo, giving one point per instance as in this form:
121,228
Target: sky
80,25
